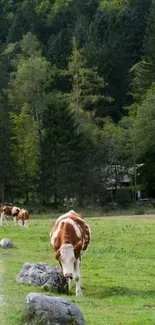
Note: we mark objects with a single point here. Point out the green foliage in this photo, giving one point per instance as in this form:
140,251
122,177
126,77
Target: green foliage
61,145
143,71
123,197
59,5
119,139
6,164
140,210
149,46
91,58
26,148
30,45
88,90
144,125
87,86
139,187
30,81
109,48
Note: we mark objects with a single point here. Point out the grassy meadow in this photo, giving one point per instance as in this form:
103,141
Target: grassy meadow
118,270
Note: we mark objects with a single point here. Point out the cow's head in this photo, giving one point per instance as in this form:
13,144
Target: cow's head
7,209
66,255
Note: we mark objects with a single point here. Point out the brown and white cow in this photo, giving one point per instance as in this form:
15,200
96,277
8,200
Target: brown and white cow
23,218
70,236
8,210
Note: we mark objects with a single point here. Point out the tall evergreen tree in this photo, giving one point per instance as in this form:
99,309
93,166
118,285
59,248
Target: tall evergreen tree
144,71
62,151
110,49
6,163
25,146
87,87
145,133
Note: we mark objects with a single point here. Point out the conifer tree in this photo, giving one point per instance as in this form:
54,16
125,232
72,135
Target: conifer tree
63,153
87,87
25,146
144,71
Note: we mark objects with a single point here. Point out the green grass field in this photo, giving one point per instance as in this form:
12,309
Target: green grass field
118,270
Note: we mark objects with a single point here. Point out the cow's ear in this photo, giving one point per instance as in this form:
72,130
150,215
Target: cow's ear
78,248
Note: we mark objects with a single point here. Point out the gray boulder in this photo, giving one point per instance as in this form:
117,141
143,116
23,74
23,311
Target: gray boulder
45,310
6,243
42,274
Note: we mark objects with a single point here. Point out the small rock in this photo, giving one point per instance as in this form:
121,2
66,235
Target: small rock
42,274
45,310
6,243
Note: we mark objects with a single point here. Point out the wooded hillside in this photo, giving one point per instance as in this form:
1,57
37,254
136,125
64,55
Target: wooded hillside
77,100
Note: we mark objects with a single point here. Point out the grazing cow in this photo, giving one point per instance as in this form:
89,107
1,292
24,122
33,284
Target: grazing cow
8,210
70,236
23,218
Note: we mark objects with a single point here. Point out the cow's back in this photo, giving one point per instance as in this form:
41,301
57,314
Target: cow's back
23,215
77,228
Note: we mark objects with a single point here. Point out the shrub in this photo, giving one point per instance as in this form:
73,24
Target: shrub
140,210
123,197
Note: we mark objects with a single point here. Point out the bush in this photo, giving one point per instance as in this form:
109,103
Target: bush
110,207
123,197
140,210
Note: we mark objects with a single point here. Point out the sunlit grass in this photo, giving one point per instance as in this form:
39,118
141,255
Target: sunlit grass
118,270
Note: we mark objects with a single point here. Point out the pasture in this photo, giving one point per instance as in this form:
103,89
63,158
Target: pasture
118,270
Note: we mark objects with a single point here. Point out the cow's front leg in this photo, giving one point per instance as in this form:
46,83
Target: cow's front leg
15,220
77,277
2,218
69,284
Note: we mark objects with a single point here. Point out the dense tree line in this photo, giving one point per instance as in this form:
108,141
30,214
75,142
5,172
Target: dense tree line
77,99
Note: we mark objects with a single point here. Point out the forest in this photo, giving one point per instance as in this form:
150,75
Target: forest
77,101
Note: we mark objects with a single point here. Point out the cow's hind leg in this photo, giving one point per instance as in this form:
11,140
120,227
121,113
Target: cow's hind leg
2,218
20,222
77,277
26,223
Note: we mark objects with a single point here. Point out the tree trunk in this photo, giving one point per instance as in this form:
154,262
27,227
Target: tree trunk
2,192
27,196
67,203
79,200
55,199
26,191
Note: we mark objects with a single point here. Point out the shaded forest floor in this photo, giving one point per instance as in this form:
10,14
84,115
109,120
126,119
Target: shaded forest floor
118,270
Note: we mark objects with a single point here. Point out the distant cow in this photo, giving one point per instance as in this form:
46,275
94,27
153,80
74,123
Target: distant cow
8,210
70,236
23,218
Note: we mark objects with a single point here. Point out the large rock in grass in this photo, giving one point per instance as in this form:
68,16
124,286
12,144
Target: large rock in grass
6,243
42,274
45,310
